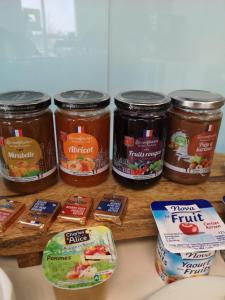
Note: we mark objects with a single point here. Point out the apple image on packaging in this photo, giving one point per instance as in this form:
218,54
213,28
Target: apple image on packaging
189,228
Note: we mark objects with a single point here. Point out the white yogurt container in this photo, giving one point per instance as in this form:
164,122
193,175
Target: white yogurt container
223,251
223,254
190,232
174,266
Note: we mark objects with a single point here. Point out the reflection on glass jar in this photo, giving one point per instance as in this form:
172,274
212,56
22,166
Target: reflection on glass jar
139,137
82,125
194,122
28,161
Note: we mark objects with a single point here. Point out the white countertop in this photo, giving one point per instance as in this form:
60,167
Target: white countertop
134,279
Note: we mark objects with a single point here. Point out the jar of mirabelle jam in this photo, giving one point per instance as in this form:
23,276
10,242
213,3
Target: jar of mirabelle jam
27,145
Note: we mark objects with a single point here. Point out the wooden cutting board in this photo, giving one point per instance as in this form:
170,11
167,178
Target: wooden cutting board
138,221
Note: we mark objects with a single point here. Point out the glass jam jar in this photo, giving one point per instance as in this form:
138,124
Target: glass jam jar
140,122
27,149
82,127
194,122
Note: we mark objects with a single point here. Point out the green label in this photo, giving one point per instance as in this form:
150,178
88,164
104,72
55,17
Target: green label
80,258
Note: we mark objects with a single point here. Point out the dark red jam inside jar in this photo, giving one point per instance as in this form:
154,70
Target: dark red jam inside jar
140,122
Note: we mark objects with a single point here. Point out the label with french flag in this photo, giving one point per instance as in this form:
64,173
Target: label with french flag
148,133
79,129
211,128
2,141
17,132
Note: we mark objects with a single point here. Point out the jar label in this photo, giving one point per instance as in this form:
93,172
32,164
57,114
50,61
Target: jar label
192,154
22,159
80,154
143,157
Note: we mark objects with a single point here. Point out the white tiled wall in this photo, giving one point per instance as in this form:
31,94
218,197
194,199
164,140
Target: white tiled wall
53,45
165,45
113,45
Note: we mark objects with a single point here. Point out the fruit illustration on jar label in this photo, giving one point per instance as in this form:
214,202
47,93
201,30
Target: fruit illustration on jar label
143,157
22,158
192,154
80,153
189,228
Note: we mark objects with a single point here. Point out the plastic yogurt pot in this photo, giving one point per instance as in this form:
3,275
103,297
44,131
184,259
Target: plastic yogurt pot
223,251
174,266
80,259
190,232
223,254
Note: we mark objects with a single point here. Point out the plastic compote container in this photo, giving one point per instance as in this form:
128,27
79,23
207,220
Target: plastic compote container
79,262
190,232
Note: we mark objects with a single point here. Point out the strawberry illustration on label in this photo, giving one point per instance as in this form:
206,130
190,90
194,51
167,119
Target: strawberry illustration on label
97,252
189,228
78,271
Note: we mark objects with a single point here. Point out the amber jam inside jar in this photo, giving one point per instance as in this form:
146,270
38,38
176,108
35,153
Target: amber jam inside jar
140,122
194,122
82,127
27,149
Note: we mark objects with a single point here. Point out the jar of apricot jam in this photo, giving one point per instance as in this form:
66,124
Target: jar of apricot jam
193,127
82,128
27,149
140,122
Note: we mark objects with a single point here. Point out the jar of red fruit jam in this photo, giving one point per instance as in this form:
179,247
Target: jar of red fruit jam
140,122
82,127
194,122
27,145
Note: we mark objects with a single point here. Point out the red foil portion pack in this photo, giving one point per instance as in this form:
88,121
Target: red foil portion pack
76,209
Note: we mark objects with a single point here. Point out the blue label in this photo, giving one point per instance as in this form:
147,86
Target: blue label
112,206
43,206
35,222
224,199
161,205
5,203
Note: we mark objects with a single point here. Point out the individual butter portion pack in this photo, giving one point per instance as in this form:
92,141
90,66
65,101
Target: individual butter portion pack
111,208
76,209
40,215
9,211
